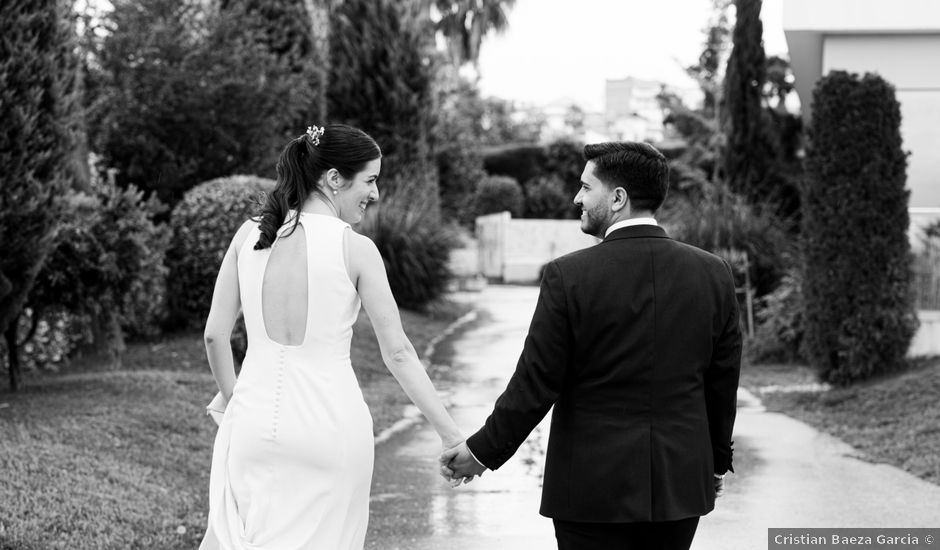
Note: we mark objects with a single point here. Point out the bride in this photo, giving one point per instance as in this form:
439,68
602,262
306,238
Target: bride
292,461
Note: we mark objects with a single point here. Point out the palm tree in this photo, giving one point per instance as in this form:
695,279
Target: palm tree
464,23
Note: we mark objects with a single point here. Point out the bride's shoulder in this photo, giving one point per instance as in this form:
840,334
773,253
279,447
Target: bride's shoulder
238,241
361,251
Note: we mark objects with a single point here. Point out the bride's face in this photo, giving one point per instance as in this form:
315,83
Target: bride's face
352,200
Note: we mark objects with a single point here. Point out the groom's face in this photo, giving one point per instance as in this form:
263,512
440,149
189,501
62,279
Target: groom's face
595,200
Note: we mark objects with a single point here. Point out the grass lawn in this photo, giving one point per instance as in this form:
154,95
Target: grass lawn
119,459
890,419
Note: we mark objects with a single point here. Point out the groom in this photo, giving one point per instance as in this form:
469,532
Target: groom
636,343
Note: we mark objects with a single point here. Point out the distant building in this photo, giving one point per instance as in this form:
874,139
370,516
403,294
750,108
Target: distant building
632,112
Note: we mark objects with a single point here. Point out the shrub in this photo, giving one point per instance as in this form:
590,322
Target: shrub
546,198
203,225
857,272
496,194
565,160
460,170
415,246
778,337
105,277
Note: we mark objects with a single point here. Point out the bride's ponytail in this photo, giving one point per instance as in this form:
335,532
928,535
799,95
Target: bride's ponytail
301,165
292,189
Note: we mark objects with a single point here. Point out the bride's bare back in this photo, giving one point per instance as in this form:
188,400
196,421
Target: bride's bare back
284,290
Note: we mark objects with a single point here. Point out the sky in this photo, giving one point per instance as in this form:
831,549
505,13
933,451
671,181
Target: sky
564,50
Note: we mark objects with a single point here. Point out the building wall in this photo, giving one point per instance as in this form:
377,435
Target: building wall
910,62
514,250
900,41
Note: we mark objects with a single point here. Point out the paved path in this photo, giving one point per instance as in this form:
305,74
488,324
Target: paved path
789,475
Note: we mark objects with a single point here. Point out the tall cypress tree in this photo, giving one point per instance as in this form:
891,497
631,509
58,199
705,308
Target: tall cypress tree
750,150
40,112
859,310
381,82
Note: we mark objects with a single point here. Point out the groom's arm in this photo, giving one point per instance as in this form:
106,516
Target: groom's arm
537,382
721,384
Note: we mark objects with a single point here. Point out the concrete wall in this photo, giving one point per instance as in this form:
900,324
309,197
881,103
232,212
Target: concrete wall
514,250
927,339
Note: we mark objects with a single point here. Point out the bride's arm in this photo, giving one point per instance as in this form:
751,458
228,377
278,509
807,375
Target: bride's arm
368,274
223,313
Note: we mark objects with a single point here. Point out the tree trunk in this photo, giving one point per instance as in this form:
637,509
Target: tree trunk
13,356
319,13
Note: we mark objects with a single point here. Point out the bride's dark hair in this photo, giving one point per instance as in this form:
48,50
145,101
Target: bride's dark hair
301,165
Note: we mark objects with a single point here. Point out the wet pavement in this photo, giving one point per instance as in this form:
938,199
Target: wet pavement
789,475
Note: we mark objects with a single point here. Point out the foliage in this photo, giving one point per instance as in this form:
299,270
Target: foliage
415,246
184,93
107,270
202,225
458,133
504,123
778,337
464,23
41,122
283,27
497,194
708,71
545,198
520,162
857,273
749,151
381,82
564,159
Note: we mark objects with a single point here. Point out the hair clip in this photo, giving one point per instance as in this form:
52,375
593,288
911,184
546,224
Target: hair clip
314,133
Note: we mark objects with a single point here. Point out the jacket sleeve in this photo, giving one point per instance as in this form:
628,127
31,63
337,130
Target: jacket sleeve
537,381
721,384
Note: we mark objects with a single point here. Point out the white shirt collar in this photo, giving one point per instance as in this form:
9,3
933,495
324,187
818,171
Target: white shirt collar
627,223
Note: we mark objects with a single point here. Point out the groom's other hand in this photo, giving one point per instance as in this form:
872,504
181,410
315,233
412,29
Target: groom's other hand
719,485
457,462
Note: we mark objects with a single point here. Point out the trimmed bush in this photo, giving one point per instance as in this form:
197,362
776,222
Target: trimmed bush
203,224
546,199
520,162
415,246
857,273
496,194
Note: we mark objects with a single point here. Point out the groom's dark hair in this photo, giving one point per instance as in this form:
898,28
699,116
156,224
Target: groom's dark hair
637,167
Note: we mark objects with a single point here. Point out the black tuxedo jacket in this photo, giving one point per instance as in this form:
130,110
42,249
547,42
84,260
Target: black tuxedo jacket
636,343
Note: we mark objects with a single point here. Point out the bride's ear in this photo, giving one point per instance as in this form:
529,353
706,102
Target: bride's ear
332,181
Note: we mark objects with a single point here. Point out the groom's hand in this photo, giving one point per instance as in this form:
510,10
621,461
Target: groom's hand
457,463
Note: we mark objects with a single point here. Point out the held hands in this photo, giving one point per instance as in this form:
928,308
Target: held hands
458,465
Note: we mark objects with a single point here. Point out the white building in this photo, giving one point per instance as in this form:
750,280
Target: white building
632,112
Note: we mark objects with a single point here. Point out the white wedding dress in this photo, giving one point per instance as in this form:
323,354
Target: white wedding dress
292,462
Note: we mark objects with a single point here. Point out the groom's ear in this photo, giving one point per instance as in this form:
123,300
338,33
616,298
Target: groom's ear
620,200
